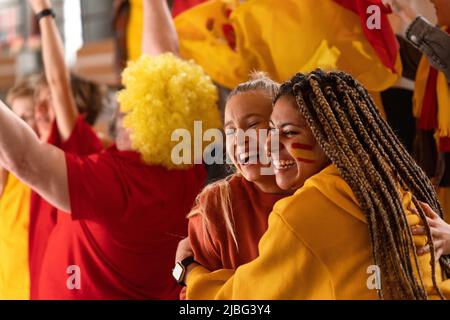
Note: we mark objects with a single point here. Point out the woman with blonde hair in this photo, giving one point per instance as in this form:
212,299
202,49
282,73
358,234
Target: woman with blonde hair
231,215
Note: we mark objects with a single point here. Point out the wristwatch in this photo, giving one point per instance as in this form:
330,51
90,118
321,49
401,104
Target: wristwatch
45,13
179,272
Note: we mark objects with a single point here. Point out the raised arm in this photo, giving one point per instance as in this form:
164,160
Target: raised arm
39,165
56,72
159,34
426,37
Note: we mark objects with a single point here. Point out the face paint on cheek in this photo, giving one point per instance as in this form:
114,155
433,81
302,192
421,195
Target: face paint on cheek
303,153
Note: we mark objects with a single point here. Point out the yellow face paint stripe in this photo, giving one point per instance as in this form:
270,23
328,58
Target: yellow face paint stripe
303,153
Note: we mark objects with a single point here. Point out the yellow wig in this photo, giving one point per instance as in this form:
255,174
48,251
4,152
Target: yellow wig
163,94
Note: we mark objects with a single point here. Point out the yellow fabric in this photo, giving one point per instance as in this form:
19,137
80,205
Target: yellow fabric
135,30
317,247
298,36
444,197
14,221
443,96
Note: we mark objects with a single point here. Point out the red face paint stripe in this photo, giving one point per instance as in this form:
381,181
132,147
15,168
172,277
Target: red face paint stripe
306,160
302,146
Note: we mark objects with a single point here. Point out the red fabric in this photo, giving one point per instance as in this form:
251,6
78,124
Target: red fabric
428,119
180,6
382,40
127,219
43,216
444,144
230,35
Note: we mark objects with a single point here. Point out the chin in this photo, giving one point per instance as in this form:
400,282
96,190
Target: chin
252,173
284,184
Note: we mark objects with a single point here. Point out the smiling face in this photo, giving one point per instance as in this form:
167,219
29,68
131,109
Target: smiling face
298,156
249,112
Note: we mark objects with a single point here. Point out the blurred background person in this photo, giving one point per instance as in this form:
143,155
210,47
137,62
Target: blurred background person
14,209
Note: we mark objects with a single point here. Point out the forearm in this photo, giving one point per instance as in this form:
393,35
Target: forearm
159,34
432,42
58,77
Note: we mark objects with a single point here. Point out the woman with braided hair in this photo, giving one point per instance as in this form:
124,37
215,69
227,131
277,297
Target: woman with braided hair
346,232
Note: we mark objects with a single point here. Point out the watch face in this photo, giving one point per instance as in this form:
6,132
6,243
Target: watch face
178,272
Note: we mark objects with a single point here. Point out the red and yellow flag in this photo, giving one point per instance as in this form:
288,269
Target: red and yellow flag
432,102
383,39
179,6
289,36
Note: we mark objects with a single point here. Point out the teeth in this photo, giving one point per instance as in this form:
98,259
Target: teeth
283,164
246,157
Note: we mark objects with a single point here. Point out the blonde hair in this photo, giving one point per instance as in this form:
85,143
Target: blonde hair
89,96
259,82
22,89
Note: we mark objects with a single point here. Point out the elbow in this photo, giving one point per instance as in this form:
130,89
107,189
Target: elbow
19,166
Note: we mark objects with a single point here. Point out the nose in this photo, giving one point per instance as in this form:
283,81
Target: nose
242,140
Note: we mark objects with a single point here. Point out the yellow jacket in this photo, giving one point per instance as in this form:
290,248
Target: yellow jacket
317,247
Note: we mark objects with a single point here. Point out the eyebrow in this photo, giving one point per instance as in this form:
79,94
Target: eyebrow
244,118
287,124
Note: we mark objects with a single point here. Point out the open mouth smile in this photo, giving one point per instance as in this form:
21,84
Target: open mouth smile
283,164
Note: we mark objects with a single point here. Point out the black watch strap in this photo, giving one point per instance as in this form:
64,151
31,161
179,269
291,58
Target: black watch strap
45,13
188,261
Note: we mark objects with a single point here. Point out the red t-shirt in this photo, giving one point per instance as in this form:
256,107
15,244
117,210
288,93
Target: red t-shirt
83,141
127,219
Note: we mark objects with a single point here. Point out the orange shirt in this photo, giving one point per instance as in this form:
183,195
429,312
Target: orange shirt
213,245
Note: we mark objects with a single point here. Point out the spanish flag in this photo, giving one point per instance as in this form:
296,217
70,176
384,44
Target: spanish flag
230,39
432,102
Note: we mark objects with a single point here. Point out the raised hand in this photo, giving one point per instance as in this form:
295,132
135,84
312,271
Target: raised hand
403,9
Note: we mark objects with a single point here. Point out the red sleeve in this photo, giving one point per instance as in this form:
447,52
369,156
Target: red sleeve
83,140
202,240
95,189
